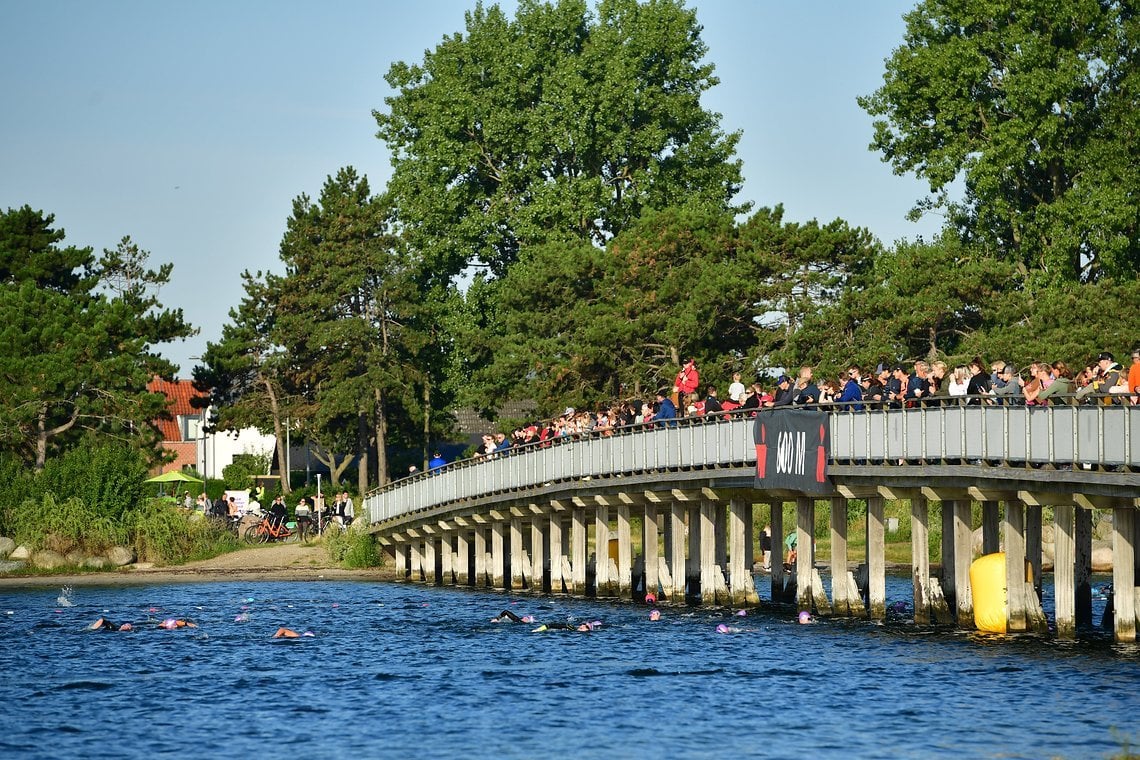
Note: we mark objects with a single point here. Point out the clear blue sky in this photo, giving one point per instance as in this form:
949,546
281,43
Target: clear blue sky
191,127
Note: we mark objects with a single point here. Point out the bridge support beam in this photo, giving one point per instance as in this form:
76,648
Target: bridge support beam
1064,561
949,577
693,565
462,558
649,550
876,559
706,539
577,584
805,551
516,558
604,585
920,558
417,560
676,539
498,553
625,552
1013,535
557,555
401,553
1124,573
538,527
446,558
1033,549
963,556
839,556
430,560
482,572
742,588
776,518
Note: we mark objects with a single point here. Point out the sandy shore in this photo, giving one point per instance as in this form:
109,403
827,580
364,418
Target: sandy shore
276,562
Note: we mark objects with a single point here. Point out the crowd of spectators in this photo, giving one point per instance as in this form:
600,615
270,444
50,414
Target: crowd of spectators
890,386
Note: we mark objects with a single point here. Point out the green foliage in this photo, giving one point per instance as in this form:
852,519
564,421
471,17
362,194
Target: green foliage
1035,111
240,473
161,533
556,123
352,548
106,476
61,525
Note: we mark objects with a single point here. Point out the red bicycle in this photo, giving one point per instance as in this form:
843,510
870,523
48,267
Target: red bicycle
265,530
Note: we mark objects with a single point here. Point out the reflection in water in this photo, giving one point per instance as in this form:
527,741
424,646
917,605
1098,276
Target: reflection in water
398,669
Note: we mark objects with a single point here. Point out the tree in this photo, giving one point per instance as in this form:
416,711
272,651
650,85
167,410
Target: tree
1034,107
558,123
78,351
244,372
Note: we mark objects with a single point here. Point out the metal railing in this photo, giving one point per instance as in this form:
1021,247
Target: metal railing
1087,436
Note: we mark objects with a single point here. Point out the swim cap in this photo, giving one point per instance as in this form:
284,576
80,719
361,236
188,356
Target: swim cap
805,617
655,615
741,613
650,598
722,628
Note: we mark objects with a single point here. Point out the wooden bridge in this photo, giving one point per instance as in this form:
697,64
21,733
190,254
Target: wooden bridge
527,519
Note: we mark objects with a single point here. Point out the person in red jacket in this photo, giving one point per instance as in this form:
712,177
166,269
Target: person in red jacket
688,380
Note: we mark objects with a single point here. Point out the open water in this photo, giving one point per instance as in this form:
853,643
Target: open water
397,670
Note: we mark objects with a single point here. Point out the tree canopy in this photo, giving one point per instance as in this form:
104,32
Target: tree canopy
557,124
1034,107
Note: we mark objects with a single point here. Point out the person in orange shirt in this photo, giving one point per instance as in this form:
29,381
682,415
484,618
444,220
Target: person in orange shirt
1134,376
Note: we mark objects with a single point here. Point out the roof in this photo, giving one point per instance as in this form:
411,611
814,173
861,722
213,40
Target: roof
178,394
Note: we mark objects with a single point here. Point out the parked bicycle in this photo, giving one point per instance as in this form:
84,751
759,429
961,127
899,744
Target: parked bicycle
266,530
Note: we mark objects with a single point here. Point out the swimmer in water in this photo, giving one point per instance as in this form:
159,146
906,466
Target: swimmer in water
103,624
506,616
286,633
805,618
171,623
655,614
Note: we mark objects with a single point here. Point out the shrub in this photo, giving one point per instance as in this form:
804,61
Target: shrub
352,548
160,533
62,525
239,475
107,477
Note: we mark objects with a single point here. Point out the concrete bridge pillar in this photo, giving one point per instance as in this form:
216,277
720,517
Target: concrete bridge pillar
1033,544
446,558
649,549
482,571
949,577
539,527
625,552
805,551
604,585
706,552
876,559
676,549
417,560
498,552
431,566
742,587
577,585
463,557
693,561
1124,572
920,558
400,551
517,563
991,527
557,555
1013,536
839,588
1064,562
1082,570
777,522
963,556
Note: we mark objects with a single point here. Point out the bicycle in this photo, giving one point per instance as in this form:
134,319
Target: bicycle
265,531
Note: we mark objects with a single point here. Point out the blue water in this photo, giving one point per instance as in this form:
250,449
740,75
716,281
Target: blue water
398,670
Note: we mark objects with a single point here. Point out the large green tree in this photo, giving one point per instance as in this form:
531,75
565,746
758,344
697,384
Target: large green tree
1033,106
80,337
560,122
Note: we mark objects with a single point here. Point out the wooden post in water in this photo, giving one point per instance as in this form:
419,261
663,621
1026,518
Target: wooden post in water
416,573
693,564
743,588
446,555
517,562
401,559
1013,535
482,572
538,553
498,553
1124,573
948,576
1033,544
963,556
625,552
676,551
602,582
1082,570
720,536
776,513
578,540
1064,561
991,527
839,556
876,559
463,557
920,558
429,559
706,554
649,548
805,554
557,582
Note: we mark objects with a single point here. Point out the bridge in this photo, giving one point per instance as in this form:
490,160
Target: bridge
527,519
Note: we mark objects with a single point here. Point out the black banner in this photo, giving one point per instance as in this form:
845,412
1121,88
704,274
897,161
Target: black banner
792,449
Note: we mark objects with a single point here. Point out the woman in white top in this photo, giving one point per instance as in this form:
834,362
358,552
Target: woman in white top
959,381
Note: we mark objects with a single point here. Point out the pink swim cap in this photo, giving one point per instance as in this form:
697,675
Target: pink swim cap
805,617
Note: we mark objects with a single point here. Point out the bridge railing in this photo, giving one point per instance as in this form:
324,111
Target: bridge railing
1093,436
